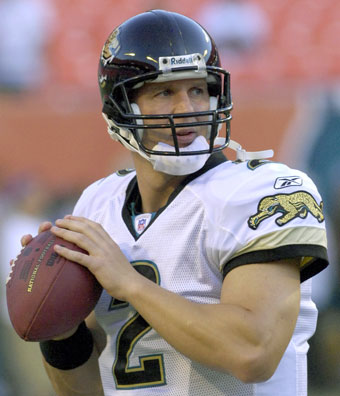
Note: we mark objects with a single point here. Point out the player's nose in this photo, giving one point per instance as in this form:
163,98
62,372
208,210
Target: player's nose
182,103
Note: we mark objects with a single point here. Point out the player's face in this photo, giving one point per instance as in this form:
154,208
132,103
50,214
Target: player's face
173,97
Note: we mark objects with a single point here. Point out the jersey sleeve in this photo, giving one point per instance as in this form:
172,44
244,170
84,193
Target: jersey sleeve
87,201
101,194
274,213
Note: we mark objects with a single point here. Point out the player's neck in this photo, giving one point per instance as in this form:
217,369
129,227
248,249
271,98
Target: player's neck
155,187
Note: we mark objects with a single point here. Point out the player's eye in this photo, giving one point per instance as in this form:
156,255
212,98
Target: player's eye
163,93
197,91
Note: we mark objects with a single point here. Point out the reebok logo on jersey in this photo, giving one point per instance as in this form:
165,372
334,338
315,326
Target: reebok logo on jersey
288,181
297,204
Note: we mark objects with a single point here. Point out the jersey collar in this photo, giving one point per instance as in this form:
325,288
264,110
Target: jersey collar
133,198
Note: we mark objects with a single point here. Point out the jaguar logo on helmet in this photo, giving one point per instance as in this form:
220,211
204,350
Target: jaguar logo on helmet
102,80
111,47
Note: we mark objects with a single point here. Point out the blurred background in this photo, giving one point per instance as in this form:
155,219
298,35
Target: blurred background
284,60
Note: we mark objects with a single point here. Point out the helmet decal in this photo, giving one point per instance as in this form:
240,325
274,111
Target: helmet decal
111,47
102,80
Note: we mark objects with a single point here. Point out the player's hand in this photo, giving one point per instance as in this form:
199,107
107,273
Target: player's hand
26,239
104,259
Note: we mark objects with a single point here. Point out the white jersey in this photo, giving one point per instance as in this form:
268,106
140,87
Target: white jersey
227,215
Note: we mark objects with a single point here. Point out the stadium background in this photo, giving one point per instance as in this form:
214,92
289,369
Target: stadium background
285,96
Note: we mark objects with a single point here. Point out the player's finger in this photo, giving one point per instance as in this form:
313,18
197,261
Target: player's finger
79,239
44,226
83,222
85,226
72,255
26,239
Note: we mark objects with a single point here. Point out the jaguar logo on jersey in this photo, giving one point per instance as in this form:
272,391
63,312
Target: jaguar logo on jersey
111,47
292,206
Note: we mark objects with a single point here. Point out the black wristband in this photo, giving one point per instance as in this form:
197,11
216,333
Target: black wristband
69,353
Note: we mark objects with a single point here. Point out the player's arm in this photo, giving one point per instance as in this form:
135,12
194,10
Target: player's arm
84,379
245,334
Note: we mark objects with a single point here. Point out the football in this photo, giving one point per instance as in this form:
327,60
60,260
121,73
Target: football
48,295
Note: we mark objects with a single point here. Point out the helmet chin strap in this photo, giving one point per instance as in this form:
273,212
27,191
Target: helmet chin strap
243,155
124,136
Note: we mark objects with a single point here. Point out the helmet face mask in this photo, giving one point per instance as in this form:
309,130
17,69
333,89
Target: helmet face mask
151,55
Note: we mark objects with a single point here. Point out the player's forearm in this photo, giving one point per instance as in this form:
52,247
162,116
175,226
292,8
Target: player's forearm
71,362
83,380
228,337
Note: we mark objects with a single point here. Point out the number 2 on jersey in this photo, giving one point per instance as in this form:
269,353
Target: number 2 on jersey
150,371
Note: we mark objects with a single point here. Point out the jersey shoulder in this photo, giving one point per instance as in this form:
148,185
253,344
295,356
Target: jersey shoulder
264,211
257,192
251,179
102,191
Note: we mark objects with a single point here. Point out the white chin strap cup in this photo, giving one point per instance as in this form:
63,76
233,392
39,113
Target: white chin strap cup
183,164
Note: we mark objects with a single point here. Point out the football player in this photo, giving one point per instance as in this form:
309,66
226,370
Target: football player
206,263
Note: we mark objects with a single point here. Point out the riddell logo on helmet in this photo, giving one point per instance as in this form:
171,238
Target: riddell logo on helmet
171,62
182,60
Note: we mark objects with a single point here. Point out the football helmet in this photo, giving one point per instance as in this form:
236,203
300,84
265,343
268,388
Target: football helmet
159,46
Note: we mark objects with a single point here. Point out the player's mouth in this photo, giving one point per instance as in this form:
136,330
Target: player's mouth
185,138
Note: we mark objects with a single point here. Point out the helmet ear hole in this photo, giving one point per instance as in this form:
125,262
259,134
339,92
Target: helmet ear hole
213,103
213,106
136,110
